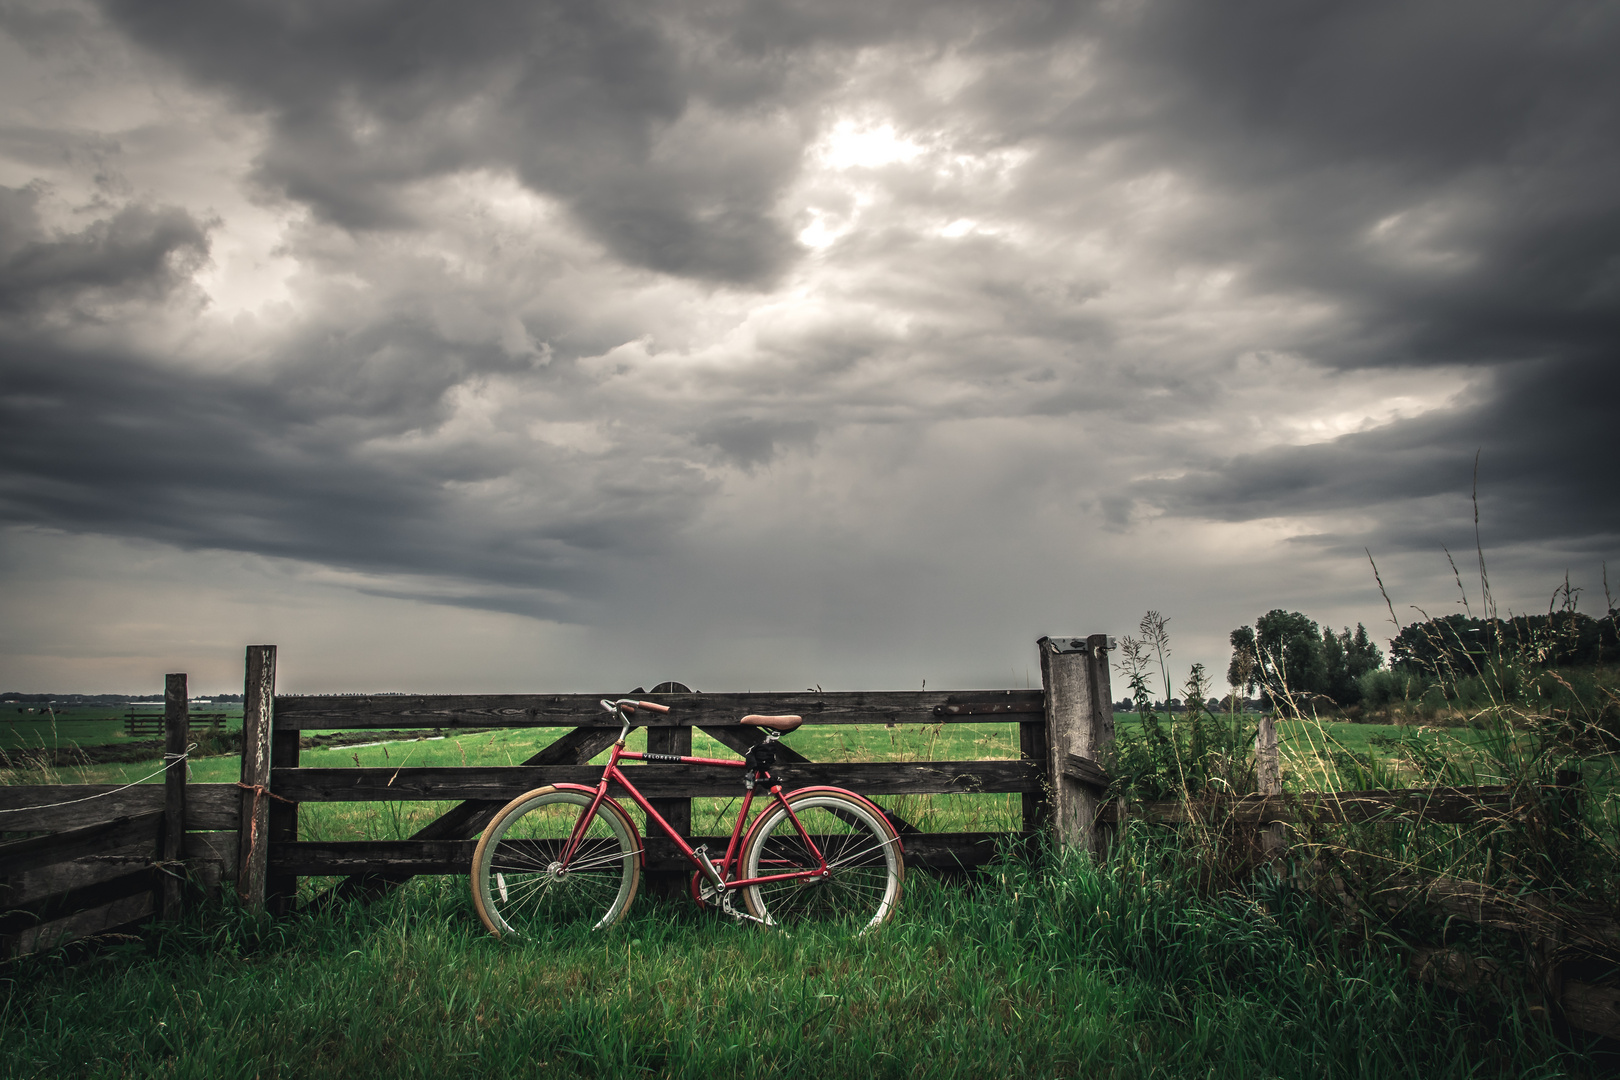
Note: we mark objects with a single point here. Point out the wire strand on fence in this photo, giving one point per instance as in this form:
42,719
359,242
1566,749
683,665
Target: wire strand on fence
168,760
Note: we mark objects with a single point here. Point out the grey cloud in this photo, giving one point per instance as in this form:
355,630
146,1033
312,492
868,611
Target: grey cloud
1545,441
140,251
582,100
1439,179
1484,125
751,442
217,461
1436,182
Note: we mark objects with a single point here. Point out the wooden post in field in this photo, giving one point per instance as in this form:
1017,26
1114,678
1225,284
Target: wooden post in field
253,844
678,812
281,890
1032,748
176,729
1268,778
1079,731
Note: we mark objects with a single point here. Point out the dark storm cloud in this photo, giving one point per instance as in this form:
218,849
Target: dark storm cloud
748,442
138,252
580,99
309,457
1433,184
1544,439
1443,178
98,444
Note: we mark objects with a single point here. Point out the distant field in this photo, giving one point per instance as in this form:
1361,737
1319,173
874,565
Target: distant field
89,726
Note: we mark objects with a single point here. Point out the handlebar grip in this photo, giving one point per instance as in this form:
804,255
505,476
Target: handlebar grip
653,705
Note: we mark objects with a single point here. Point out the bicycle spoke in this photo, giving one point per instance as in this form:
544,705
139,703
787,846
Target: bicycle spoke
861,884
519,886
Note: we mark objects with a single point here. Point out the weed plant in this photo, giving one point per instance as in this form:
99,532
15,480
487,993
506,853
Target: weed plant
1188,754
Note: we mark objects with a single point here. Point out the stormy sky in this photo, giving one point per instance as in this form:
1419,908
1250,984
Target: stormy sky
520,346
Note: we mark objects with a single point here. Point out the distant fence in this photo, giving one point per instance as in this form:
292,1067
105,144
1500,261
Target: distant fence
78,860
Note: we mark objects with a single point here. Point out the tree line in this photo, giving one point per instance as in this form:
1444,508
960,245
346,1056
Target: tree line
1286,653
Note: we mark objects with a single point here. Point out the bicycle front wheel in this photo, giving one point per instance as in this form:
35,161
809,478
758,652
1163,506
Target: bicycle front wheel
861,887
520,887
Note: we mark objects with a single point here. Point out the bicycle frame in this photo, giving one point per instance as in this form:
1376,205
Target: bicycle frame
612,774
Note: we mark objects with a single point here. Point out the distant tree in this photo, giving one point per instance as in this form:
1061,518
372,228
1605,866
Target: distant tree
1360,654
1456,646
1289,646
1287,653
1243,671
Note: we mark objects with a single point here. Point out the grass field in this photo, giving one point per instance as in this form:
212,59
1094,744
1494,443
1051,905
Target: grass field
1116,971
1130,968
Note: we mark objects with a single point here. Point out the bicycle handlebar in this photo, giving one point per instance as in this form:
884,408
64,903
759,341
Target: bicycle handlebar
630,705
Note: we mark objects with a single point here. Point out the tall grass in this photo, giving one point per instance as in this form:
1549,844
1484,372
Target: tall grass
1120,968
1533,731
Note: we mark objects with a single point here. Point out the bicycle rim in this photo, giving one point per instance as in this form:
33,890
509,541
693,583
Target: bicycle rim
863,857
519,888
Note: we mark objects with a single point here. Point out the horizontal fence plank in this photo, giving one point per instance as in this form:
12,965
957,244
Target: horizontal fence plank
20,856
1439,805
309,858
686,710
1592,1008
98,920
507,782
23,913
72,806
1584,927
28,887
938,851
1086,771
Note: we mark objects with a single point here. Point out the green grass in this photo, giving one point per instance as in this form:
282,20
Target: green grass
1114,971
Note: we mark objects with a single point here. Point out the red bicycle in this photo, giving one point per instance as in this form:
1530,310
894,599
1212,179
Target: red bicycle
569,852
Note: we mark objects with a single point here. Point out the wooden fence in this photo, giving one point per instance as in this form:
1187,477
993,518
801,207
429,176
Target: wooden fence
86,859
1068,722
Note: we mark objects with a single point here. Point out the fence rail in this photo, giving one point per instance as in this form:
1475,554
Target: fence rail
294,713
1441,805
693,781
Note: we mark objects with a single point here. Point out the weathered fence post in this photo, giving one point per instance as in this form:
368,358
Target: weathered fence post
176,729
281,890
1032,748
678,812
1268,778
253,844
1079,730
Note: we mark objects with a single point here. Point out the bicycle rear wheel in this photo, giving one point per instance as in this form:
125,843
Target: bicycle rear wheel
519,887
865,869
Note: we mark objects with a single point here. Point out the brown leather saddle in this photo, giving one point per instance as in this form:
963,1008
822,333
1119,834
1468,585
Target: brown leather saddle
779,724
